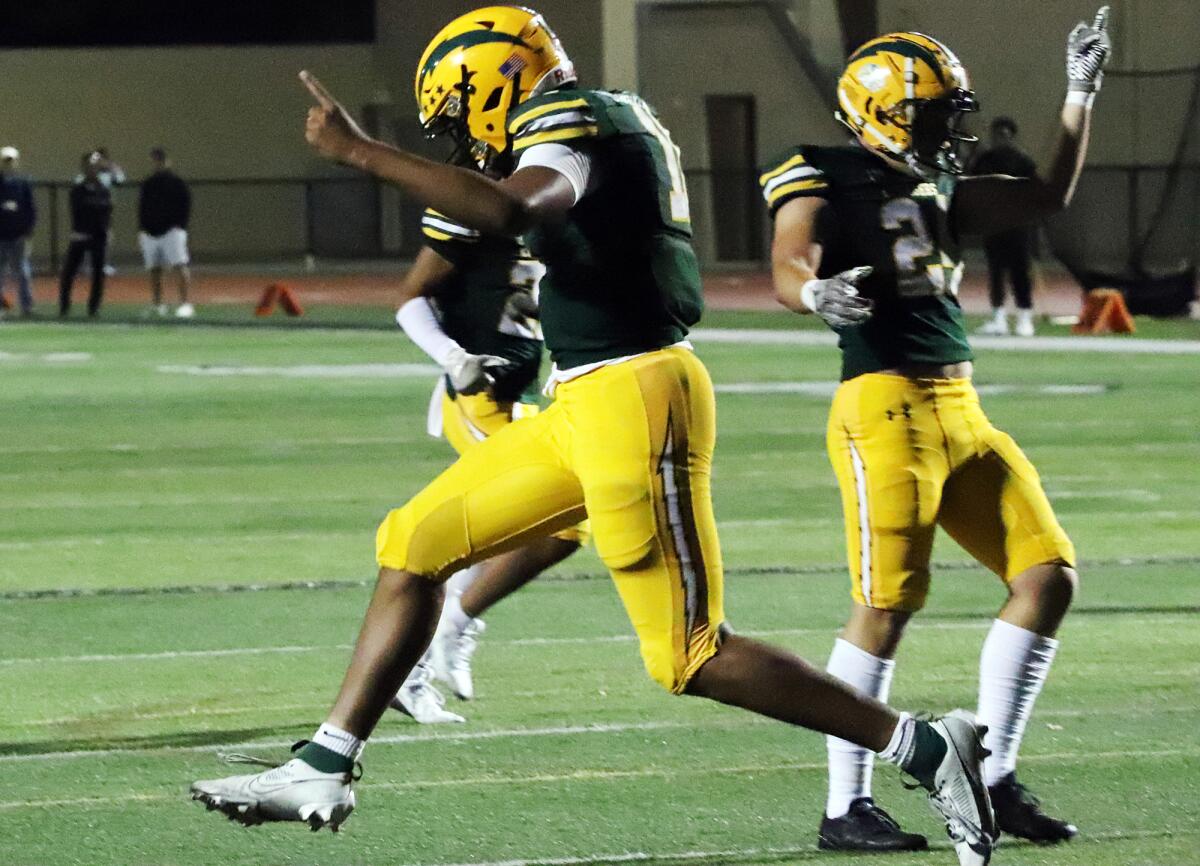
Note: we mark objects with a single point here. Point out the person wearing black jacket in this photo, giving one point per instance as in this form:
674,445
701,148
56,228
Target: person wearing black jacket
91,214
1009,253
163,210
17,218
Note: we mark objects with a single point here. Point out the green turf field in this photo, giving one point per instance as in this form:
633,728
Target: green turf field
162,471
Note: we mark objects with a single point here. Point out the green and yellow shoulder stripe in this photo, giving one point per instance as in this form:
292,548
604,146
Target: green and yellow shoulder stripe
567,116
792,175
438,227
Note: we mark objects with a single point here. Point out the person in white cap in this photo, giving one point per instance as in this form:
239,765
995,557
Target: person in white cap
18,215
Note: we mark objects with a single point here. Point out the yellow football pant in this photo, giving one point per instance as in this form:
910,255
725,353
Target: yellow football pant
630,446
469,419
912,454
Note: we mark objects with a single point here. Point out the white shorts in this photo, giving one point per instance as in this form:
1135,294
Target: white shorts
169,250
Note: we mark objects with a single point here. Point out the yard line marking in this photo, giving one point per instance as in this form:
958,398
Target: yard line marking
394,739
585,775
954,625
1108,345
270,445
310,371
561,577
194,712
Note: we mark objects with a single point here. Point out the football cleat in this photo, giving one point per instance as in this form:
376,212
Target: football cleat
185,311
419,699
1024,326
291,792
958,795
866,827
1019,813
450,657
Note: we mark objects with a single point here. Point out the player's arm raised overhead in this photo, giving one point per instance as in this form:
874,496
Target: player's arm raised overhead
529,197
991,203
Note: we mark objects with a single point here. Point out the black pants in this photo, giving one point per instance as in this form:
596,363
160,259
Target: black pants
96,247
1008,255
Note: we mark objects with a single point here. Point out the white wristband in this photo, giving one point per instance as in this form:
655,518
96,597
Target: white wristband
1081,97
808,295
419,320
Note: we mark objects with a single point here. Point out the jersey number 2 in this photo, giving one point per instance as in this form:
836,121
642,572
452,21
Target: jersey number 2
916,257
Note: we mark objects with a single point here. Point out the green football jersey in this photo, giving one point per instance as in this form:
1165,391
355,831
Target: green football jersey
621,276
900,226
487,270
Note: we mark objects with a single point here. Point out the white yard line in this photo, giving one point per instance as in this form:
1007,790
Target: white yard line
309,371
1107,345
268,445
168,655
606,775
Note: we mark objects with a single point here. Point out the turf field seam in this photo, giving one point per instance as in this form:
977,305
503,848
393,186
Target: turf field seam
929,624
749,571
585,775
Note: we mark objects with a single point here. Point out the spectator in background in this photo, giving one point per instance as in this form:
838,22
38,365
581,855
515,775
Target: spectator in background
1009,252
111,175
163,209
91,216
17,218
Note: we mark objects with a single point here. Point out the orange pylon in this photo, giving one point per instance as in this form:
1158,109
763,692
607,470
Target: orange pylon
1104,312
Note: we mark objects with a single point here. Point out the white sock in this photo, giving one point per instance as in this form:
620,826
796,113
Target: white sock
461,579
1012,670
850,765
899,749
454,615
338,741
999,315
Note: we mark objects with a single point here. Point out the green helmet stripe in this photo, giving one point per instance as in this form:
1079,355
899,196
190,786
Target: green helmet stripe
467,40
905,49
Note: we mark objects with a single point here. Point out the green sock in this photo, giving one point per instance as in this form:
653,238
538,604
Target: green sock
927,753
324,760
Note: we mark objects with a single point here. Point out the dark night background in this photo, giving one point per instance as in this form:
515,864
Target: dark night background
77,23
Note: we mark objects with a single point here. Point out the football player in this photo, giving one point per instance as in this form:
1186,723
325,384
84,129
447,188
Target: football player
867,238
470,302
597,191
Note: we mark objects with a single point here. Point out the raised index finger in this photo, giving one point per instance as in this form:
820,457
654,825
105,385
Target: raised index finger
323,97
1101,22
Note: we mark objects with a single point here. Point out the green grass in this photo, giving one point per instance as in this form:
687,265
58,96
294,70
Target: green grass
117,477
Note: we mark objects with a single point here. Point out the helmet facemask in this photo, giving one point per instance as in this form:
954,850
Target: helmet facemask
939,139
451,120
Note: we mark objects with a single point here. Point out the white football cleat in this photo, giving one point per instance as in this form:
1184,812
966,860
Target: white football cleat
959,795
420,699
162,310
450,655
185,311
292,792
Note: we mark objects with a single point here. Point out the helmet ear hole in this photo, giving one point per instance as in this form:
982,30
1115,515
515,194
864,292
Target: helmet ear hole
493,100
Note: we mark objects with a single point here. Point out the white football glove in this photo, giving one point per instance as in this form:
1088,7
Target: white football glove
1088,49
471,374
836,300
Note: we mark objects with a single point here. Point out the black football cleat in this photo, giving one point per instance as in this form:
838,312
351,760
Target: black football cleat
866,827
1019,813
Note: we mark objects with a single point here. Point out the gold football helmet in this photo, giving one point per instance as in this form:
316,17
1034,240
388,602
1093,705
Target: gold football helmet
481,65
904,95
